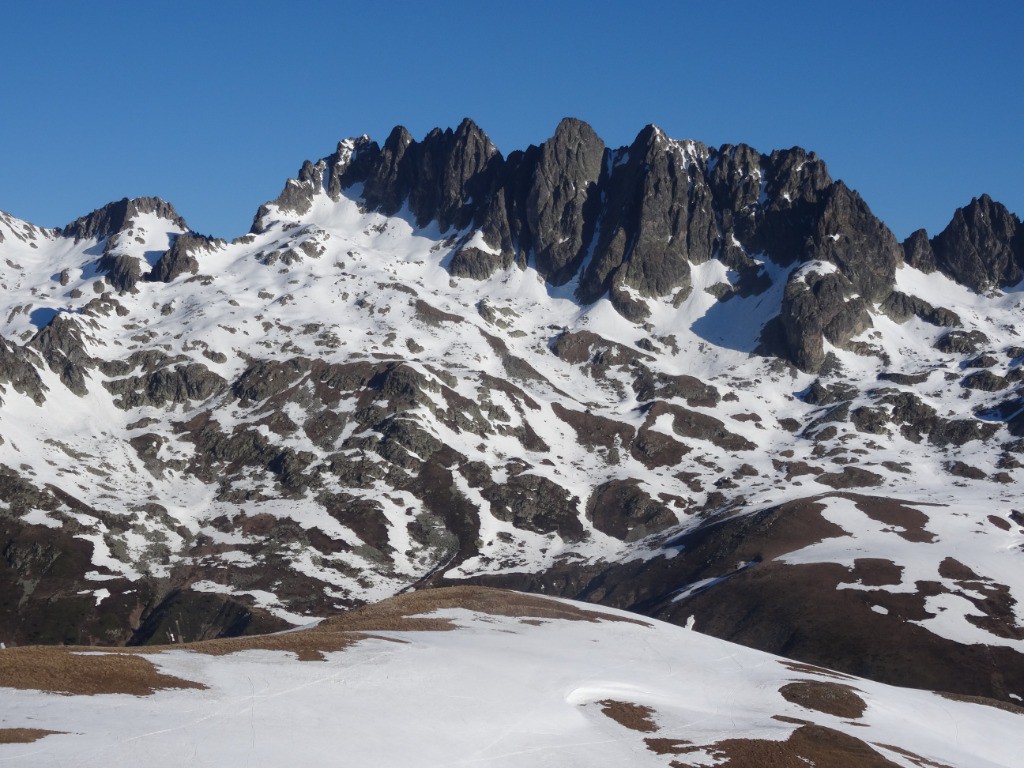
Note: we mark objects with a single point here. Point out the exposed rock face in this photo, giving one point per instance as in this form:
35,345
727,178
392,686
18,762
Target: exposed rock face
18,372
848,235
622,510
982,246
544,207
918,252
181,258
652,228
442,178
122,271
61,345
559,205
835,306
112,218
901,307
165,385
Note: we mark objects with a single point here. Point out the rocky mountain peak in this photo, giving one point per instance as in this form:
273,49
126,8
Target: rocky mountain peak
116,216
448,173
848,235
560,205
981,247
630,223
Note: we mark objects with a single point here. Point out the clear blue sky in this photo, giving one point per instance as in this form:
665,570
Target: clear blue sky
918,104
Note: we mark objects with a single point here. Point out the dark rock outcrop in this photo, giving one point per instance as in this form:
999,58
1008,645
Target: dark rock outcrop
166,386
982,247
621,509
656,220
17,371
62,347
901,307
180,258
114,217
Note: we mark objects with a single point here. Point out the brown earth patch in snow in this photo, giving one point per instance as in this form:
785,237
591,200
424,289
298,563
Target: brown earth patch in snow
592,430
432,315
794,469
876,572
636,717
497,602
669,746
951,568
897,514
700,426
812,744
830,698
998,522
23,735
766,607
83,671
850,477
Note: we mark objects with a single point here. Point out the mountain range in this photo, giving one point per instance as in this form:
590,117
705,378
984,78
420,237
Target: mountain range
705,385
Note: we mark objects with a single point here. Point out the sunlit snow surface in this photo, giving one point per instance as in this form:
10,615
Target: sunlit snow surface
346,297
496,691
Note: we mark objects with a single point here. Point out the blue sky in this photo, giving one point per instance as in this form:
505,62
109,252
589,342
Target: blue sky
918,105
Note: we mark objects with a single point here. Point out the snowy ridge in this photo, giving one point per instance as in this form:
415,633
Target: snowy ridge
505,681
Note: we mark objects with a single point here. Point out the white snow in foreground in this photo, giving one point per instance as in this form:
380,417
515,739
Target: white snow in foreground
497,692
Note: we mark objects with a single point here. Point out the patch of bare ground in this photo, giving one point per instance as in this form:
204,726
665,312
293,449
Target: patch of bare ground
432,315
794,469
692,424
23,735
830,698
765,607
998,522
850,477
897,514
811,669
996,603
636,717
916,759
984,701
83,671
594,430
808,744
669,746
951,568
876,572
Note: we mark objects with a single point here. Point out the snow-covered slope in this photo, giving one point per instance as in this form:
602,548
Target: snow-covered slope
472,677
390,383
